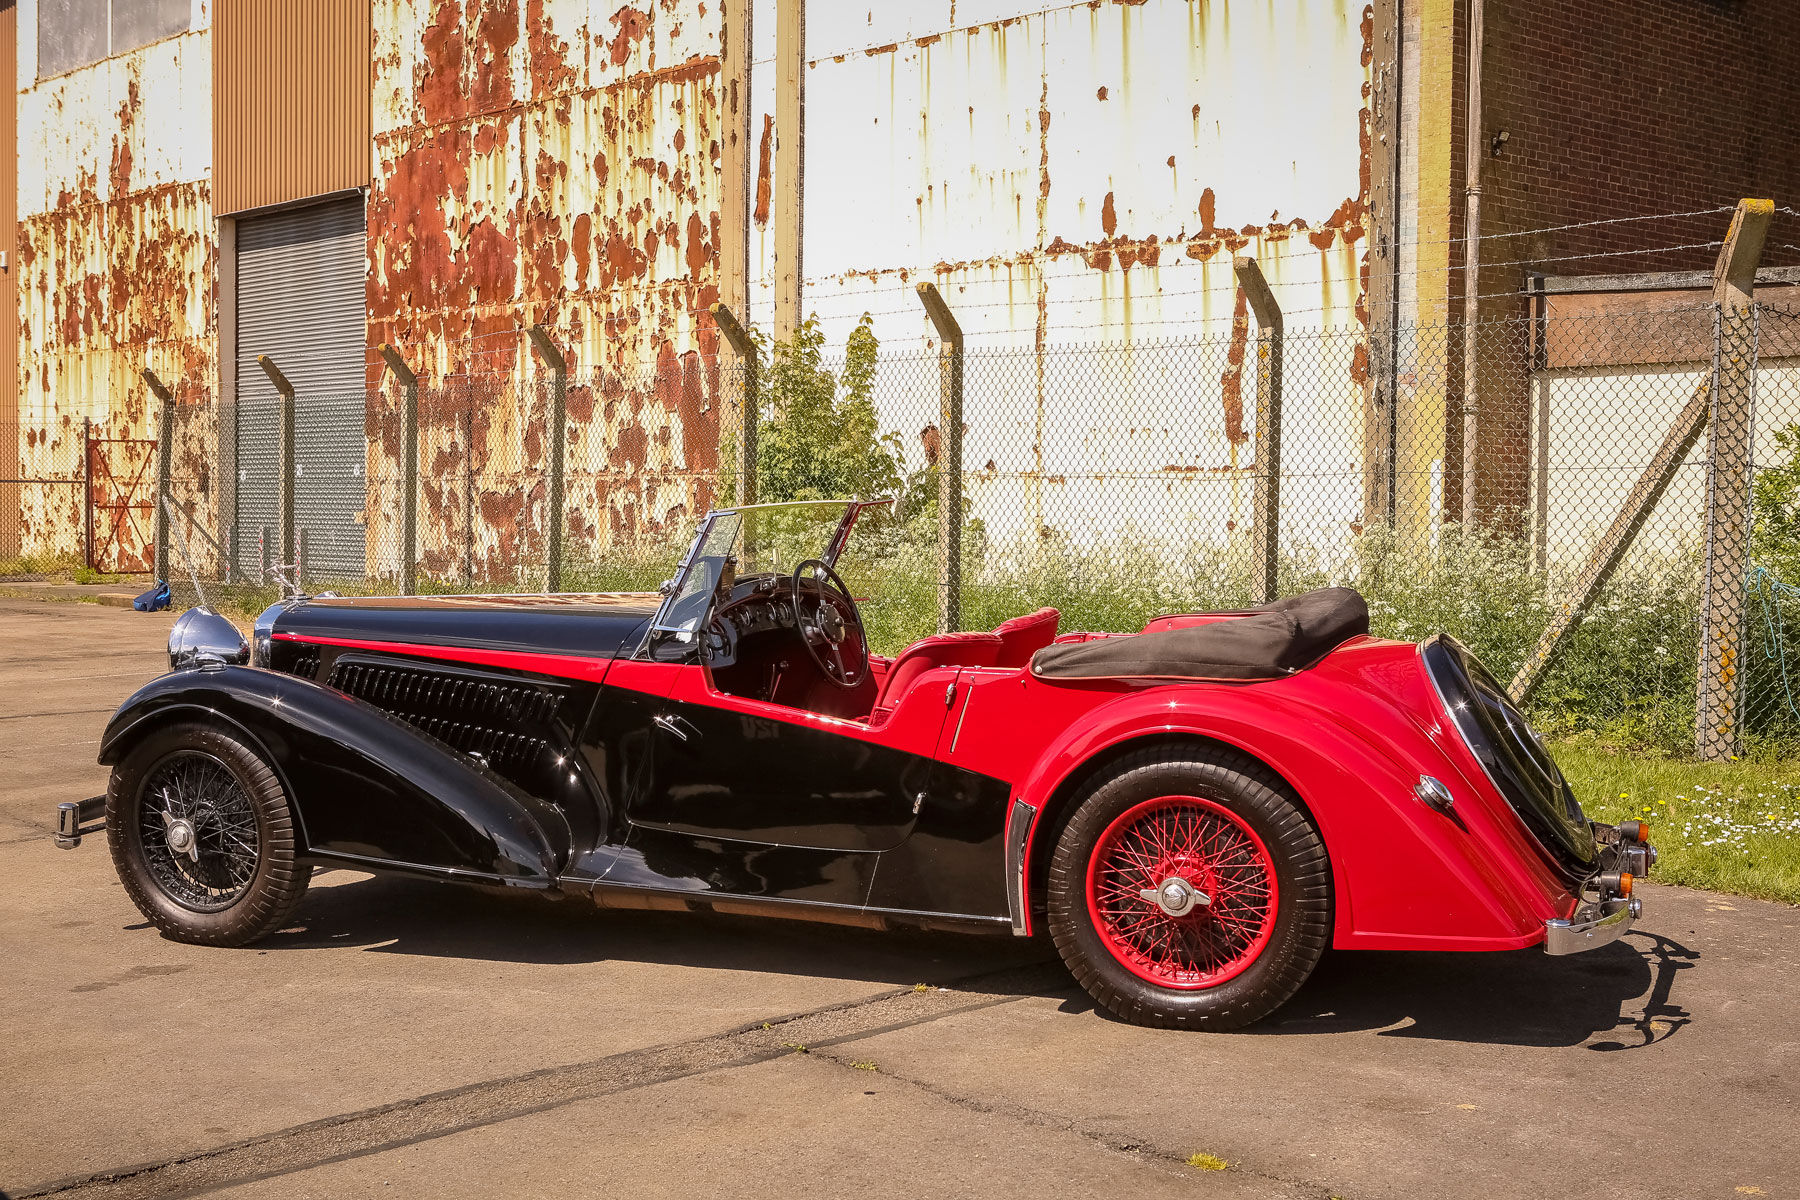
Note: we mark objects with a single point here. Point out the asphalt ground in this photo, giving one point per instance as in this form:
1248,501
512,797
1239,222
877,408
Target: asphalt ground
407,1038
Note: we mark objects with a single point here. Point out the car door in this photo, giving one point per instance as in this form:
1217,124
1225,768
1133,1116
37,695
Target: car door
751,771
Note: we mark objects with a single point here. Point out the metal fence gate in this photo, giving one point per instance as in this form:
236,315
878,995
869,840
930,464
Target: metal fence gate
121,503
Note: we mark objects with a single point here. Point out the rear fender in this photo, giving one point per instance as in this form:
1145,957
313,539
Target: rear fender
366,788
1402,874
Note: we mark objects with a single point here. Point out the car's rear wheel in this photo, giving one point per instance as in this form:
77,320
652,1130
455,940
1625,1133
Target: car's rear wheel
1190,890
202,835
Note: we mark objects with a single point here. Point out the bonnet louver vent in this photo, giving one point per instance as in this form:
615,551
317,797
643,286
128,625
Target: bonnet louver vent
506,723
303,661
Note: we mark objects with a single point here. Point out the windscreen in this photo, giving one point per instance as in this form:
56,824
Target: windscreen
773,538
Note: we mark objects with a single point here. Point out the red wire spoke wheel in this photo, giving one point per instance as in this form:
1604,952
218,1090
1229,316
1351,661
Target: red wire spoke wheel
1189,888
1182,892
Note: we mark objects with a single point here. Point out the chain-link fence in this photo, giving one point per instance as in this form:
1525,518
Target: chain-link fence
1567,527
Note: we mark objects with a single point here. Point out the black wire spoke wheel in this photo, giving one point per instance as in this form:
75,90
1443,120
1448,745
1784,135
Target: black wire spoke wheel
199,831
1189,889
203,836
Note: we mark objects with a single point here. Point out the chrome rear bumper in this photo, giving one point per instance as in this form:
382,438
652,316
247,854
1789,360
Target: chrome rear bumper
1625,855
1591,924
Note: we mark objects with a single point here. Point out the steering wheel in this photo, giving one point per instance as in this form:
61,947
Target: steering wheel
820,615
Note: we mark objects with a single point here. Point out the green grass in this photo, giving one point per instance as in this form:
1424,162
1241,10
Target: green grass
1726,827
39,564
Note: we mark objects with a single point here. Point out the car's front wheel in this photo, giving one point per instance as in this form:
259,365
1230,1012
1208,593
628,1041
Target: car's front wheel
1190,890
202,835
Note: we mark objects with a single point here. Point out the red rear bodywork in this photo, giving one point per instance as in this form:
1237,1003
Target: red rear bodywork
1352,735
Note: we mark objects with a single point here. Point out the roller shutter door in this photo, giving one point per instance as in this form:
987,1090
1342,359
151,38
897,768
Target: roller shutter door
300,300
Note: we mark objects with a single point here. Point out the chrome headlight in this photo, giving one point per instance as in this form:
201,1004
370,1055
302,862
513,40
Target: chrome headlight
201,636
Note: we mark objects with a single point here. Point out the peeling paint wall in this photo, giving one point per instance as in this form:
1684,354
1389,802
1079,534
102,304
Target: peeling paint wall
116,259
554,162
1072,174
1084,173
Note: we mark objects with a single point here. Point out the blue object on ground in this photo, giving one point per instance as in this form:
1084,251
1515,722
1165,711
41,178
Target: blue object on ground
154,599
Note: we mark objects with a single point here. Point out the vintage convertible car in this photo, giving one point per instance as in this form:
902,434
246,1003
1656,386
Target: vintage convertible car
1195,811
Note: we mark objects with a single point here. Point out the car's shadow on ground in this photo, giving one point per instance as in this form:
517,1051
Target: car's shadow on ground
390,915
1618,997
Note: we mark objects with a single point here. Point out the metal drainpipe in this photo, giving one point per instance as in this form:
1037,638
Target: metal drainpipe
1472,268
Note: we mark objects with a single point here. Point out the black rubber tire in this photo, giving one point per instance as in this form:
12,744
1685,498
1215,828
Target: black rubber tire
277,886
1303,918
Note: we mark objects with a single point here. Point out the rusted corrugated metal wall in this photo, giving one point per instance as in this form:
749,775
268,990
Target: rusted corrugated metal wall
115,257
1076,173
9,291
290,100
552,162
1082,173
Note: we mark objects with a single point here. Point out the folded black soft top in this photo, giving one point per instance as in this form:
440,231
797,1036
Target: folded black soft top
1265,643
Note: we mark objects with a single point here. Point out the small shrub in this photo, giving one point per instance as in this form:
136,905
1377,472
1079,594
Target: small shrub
819,437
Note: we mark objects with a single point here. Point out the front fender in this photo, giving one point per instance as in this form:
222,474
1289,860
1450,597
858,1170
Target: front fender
366,788
1404,875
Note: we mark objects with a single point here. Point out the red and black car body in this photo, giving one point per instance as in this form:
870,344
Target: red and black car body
697,749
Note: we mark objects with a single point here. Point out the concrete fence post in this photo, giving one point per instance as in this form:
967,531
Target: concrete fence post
558,420
409,468
749,401
950,474
1269,353
1717,719
286,552
468,443
165,436
87,492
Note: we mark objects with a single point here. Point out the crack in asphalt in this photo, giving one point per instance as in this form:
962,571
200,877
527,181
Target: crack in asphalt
73,712
489,1102
1140,1150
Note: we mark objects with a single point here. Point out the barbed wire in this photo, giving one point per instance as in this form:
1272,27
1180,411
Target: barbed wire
1035,256
1165,293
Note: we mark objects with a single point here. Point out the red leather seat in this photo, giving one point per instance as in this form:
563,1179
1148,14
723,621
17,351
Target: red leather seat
938,650
1025,636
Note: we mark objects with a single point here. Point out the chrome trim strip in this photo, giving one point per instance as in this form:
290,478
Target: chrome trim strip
594,888
1019,819
1591,926
968,699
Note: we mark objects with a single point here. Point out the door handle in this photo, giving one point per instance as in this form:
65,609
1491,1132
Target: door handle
670,723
